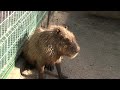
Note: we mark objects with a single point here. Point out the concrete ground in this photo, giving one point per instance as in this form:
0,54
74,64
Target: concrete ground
99,39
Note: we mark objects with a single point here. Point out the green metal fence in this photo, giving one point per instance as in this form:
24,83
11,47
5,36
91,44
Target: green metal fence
14,26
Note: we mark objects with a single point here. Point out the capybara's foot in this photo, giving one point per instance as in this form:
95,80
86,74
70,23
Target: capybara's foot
62,76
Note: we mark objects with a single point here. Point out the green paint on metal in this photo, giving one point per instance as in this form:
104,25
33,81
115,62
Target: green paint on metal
15,27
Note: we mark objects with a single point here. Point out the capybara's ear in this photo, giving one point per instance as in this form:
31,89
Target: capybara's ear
66,27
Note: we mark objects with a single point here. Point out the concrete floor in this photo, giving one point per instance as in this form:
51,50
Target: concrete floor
99,39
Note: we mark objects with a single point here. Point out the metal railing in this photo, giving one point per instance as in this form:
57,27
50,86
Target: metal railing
14,27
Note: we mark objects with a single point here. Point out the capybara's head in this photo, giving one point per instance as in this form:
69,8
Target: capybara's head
66,41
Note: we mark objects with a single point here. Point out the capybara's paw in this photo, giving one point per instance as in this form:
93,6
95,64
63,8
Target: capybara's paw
62,76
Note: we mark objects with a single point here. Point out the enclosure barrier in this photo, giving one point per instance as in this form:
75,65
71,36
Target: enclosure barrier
14,27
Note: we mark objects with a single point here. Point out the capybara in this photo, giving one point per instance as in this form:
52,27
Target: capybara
46,47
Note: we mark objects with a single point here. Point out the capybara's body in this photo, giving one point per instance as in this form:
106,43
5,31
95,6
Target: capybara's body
48,46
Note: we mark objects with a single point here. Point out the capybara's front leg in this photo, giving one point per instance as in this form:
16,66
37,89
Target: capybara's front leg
49,67
60,74
40,71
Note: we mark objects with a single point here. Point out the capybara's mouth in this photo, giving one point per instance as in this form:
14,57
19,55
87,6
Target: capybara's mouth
73,56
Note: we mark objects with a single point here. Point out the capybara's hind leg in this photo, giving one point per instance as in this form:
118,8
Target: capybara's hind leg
26,66
60,74
23,68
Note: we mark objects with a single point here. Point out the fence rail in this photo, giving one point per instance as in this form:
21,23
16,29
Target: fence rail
14,27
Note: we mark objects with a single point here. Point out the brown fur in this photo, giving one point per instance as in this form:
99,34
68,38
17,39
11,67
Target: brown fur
46,46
